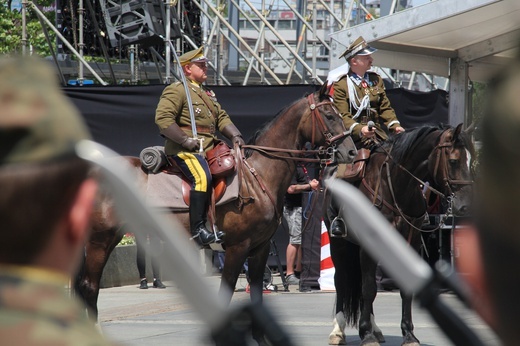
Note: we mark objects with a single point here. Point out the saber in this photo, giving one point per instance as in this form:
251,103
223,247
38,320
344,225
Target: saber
188,95
413,275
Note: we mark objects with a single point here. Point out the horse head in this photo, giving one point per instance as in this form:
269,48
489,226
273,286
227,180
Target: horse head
327,129
450,167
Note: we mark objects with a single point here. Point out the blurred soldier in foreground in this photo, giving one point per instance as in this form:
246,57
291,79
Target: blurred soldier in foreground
45,203
489,256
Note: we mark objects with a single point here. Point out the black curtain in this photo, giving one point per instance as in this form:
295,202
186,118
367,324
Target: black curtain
122,117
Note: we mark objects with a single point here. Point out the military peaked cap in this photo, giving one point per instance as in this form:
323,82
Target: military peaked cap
196,55
358,47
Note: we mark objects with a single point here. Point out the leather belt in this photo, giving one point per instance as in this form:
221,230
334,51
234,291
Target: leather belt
201,129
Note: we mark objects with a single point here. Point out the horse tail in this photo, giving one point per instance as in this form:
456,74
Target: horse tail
353,290
347,279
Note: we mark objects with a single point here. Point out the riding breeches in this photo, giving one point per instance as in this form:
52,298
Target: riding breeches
196,169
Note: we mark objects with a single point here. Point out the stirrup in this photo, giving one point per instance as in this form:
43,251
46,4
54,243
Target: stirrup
338,228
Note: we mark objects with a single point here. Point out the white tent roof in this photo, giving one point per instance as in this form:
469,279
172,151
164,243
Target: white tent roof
484,33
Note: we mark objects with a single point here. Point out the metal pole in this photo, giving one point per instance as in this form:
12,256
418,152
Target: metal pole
304,21
314,39
81,44
262,44
284,42
293,63
233,31
24,27
271,44
218,42
69,46
167,50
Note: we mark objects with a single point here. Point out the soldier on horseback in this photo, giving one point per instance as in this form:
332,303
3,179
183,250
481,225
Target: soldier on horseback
189,123
361,100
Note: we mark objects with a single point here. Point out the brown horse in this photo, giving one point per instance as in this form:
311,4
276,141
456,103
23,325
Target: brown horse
250,221
396,170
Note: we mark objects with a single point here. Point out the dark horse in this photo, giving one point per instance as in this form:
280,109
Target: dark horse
250,221
397,170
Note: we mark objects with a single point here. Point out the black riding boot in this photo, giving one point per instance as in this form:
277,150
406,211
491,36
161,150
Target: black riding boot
338,229
198,217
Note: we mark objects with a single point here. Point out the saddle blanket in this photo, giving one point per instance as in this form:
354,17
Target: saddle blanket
165,191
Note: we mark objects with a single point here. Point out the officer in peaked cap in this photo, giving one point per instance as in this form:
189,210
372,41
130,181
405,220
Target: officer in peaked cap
361,99
174,120
45,206
358,47
196,55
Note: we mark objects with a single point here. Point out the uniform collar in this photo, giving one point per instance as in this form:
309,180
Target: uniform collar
195,83
358,79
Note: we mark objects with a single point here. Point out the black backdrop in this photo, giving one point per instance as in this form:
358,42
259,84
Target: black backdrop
122,118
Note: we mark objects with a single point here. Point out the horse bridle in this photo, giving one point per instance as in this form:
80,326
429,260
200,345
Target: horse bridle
328,152
441,152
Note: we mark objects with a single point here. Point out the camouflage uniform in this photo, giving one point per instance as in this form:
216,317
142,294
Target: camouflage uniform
38,125
35,309
173,108
380,110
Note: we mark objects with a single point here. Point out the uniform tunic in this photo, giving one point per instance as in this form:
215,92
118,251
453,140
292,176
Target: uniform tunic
173,108
36,309
380,109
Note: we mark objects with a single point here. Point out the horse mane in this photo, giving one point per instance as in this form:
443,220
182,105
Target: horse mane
404,144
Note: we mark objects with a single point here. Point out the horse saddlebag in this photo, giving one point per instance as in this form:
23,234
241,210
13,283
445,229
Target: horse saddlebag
221,160
354,171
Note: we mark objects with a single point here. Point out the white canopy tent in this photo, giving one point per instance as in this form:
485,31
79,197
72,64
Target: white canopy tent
463,40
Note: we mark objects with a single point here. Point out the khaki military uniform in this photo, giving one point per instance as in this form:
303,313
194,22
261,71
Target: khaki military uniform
380,110
36,309
173,108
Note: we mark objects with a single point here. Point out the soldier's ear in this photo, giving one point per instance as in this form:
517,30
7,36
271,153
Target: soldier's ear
78,218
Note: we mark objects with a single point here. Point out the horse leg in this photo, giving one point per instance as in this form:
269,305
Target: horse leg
338,249
409,338
369,291
256,268
97,252
233,263
377,331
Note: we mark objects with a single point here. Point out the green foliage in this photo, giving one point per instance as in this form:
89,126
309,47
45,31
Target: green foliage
128,239
11,30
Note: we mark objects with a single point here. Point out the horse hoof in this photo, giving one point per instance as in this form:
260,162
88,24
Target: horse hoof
335,339
380,337
370,341
410,340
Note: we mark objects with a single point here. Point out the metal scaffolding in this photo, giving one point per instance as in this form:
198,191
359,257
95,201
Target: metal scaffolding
270,42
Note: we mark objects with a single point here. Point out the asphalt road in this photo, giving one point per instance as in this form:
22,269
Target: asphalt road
131,316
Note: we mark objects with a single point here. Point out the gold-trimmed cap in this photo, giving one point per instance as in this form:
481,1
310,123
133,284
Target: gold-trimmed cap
196,55
358,47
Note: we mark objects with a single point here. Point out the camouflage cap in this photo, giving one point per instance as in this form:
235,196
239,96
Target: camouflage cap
196,55
37,121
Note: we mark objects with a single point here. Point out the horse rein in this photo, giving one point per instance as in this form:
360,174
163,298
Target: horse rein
441,151
329,151
317,122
